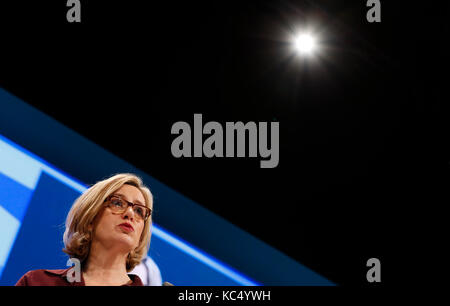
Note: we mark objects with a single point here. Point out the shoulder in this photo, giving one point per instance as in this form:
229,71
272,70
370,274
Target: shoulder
43,277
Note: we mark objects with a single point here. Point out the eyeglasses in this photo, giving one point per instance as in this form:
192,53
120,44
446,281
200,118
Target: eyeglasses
119,206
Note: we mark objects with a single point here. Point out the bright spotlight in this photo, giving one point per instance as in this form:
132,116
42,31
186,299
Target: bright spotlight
305,44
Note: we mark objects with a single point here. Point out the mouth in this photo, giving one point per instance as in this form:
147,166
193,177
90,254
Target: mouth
126,227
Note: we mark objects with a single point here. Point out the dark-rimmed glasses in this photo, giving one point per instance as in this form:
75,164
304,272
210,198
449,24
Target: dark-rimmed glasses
119,206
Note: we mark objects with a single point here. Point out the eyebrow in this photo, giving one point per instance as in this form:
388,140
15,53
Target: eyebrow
121,195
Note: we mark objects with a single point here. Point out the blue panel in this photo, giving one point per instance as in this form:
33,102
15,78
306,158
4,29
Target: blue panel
10,228
183,270
39,242
14,197
193,252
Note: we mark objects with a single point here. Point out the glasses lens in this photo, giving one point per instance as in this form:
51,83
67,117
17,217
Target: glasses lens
140,211
117,204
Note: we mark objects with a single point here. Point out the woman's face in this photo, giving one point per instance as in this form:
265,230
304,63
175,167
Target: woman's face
120,231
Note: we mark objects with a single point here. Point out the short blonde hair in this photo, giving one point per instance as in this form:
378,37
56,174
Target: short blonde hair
77,236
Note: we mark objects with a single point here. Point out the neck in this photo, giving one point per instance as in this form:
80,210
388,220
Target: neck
105,266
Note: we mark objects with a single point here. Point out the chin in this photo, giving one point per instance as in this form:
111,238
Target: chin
126,241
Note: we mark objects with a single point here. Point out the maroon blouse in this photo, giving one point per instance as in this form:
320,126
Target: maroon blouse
59,278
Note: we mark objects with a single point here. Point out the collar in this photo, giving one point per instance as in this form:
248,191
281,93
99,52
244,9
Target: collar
135,280
63,274
60,272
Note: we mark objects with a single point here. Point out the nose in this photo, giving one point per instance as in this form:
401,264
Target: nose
129,213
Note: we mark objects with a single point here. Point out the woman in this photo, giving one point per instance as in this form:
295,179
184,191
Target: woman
107,233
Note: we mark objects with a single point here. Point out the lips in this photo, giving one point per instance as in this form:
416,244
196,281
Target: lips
126,227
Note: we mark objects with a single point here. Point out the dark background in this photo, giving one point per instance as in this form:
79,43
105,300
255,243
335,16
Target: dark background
363,128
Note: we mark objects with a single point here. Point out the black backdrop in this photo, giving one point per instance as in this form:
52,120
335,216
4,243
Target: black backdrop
363,130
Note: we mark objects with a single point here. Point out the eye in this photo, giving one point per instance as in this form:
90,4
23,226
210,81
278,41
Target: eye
117,202
139,210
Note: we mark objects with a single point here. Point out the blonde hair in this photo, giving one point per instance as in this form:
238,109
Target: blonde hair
78,236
